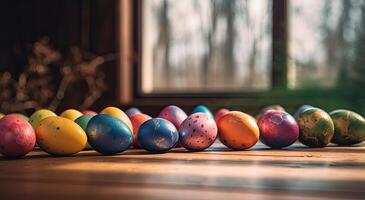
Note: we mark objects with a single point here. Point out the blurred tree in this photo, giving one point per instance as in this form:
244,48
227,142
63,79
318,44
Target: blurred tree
359,60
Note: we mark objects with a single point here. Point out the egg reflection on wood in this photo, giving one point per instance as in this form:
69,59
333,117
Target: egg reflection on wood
173,114
198,132
157,135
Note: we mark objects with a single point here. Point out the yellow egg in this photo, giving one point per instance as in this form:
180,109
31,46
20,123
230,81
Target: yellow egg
1,115
71,114
60,136
39,115
118,113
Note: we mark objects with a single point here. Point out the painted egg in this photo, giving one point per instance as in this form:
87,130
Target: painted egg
60,136
82,121
219,113
89,112
202,109
157,135
278,129
349,127
131,111
71,114
267,108
137,120
118,113
238,131
173,114
39,115
1,115
108,135
301,109
316,127
22,116
198,132
17,137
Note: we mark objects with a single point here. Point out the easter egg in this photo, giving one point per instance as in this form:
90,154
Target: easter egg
131,111
157,135
39,115
316,127
173,114
267,108
278,129
202,109
238,131
116,112
22,116
71,114
108,135
83,120
349,127
301,109
89,112
60,136
1,115
198,132
137,120
219,113
17,137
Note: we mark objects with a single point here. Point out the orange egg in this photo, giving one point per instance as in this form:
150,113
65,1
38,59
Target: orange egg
118,113
137,120
238,131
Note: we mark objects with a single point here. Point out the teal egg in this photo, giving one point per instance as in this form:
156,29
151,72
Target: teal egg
83,120
202,109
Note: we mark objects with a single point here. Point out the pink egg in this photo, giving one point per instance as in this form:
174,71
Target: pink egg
89,112
198,132
173,114
219,113
17,137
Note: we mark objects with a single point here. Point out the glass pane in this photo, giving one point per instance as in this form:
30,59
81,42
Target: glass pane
327,43
206,45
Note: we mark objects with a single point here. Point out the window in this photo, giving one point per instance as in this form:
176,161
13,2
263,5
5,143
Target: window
206,45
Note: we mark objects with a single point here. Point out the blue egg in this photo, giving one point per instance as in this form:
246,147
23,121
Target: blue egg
132,111
108,135
83,120
202,109
157,135
301,109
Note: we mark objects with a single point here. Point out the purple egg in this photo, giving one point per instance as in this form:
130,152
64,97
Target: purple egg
198,132
173,114
278,129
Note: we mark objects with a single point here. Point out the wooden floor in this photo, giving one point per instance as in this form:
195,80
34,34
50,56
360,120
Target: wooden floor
217,173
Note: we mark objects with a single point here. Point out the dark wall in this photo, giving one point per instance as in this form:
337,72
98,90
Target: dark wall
89,24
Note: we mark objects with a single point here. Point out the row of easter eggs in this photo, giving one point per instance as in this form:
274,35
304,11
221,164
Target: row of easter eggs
113,131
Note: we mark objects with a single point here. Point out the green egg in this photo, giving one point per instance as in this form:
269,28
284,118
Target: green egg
82,121
349,127
316,127
39,115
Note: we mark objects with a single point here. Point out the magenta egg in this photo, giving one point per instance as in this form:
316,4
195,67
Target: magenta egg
173,114
219,113
17,137
198,132
278,129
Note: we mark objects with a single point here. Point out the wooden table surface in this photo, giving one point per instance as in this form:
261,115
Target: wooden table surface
217,173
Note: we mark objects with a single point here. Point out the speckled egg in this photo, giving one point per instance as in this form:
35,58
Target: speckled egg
157,135
60,136
39,115
278,129
89,112
108,135
198,132
349,127
301,109
173,114
131,111
202,109
238,131
17,137
219,113
71,114
316,127
118,113
137,120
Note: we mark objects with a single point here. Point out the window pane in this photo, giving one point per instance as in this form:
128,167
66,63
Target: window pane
206,45
327,43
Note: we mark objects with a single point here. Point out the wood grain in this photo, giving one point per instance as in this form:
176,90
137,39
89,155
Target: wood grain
217,173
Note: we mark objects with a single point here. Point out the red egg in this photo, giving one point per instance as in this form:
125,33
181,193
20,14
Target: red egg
219,113
137,120
89,112
17,137
278,129
173,114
